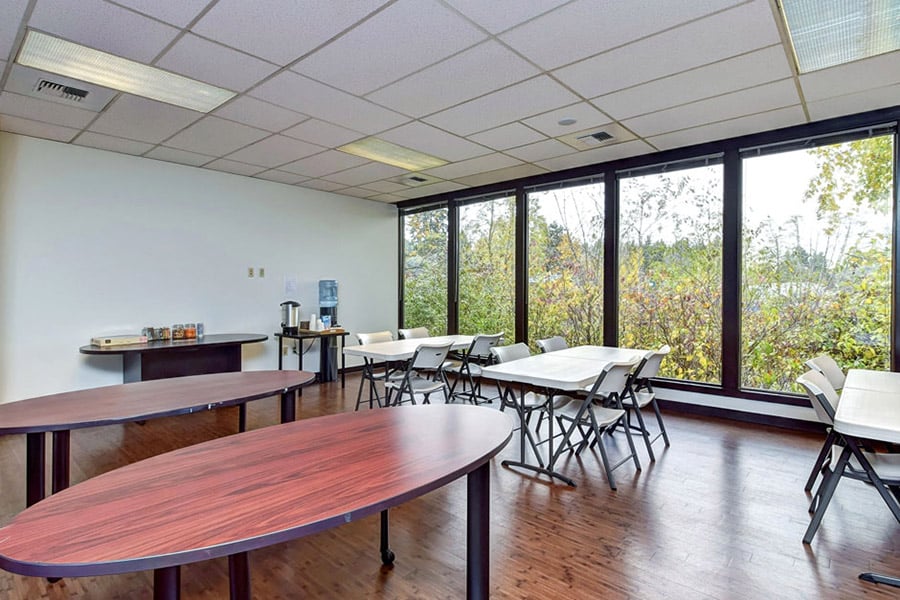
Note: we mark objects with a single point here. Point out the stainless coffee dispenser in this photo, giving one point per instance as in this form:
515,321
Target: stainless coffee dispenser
290,317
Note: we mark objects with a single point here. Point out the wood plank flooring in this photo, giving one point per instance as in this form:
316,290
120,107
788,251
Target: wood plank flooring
719,515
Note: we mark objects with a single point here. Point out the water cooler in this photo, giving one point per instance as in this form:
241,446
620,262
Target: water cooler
328,300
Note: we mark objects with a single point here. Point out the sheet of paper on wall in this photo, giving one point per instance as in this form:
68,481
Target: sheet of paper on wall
290,285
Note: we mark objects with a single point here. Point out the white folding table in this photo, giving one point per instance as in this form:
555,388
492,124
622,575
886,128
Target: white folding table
869,409
570,370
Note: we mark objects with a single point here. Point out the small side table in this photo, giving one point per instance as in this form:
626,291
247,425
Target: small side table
325,338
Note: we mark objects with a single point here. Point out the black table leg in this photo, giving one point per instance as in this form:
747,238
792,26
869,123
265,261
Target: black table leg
35,454
478,509
60,469
239,576
167,583
387,555
876,578
343,362
242,417
288,407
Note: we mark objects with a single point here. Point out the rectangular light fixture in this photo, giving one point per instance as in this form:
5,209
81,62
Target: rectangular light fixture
48,53
392,154
829,33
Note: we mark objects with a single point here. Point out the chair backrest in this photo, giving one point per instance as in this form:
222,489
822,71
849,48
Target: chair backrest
504,354
415,332
374,338
429,356
552,344
829,368
614,377
822,395
651,361
482,344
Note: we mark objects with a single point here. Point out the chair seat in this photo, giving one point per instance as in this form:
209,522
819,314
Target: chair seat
603,416
419,385
643,399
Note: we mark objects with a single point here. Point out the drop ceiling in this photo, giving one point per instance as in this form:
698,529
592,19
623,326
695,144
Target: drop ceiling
480,84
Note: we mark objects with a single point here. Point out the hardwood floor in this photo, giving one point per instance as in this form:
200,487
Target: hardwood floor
719,515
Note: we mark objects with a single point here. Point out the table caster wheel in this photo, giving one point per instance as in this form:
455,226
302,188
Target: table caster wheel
387,557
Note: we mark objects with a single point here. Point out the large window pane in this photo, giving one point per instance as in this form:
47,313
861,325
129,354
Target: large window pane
670,269
565,264
487,266
425,270
816,260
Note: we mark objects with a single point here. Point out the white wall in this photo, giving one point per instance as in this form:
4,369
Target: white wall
99,243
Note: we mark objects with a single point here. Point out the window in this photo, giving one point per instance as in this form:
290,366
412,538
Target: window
816,260
670,268
565,263
425,270
487,233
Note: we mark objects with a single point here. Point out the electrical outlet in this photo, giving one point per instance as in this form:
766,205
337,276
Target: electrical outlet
250,272
262,271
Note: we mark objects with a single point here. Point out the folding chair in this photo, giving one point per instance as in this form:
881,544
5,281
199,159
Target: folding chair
369,376
468,370
639,394
423,376
552,344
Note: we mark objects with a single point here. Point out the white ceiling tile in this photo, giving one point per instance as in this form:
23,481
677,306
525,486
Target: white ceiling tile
322,133
231,166
401,39
433,141
36,129
11,13
325,163
114,144
500,15
367,173
511,104
499,175
490,162
586,116
748,70
256,113
457,79
280,176
784,117
853,77
143,119
103,26
319,184
597,155
274,151
590,29
541,151
281,30
729,106
178,156
176,12
385,187
44,110
213,63
358,192
508,136
304,95
389,198
215,136
430,190
730,33
883,97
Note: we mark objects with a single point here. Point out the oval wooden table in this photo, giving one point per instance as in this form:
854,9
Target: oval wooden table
129,402
234,494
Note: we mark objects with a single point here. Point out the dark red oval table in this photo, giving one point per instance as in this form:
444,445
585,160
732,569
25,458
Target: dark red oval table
128,402
234,494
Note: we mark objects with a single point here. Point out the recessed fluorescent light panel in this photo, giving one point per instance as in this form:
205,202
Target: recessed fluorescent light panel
47,53
834,32
392,154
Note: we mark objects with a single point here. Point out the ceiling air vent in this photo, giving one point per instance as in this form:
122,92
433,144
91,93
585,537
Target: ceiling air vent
594,139
60,90
416,179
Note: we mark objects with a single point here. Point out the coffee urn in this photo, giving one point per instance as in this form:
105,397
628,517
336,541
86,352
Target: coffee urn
290,317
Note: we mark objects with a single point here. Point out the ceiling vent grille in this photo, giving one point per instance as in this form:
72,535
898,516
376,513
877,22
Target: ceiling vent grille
416,179
60,90
594,139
